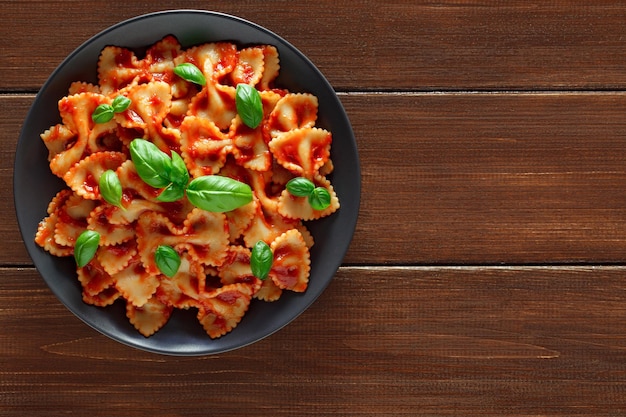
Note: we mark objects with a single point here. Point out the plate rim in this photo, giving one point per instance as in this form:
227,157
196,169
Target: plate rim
31,248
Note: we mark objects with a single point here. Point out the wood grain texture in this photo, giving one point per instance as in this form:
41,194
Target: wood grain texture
369,44
474,178
13,110
496,346
486,276
514,178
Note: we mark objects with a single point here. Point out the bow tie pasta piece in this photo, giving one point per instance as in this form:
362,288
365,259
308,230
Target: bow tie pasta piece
79,134
239,220
236,268
262,227
104,298
115,258
110,233
159,59
299,207
269,100
75,111
285,224
293,111
135,284
154,230
72,217
302,151
58,139
215,102
250,149
224,308
204,147
265,190
44,237
150,317
215,60
250,66
271,68
184,289
205,236
45,230
150,105
292,262
268,292
84,176
94,278
119,67
267,226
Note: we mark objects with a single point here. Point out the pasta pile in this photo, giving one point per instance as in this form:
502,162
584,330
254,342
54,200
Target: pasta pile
202,125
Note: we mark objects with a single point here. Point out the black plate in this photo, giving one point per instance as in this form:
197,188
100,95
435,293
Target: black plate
34,184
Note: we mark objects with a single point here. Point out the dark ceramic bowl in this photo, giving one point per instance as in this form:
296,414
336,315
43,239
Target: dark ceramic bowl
35,185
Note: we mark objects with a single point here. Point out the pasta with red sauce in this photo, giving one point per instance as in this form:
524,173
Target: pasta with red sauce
200,123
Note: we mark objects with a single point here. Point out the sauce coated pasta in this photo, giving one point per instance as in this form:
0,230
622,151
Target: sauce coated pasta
202,125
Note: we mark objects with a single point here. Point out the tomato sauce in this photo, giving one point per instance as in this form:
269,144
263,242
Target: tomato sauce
124,58
229,297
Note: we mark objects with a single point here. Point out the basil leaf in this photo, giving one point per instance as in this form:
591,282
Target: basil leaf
300,187
172,192
86,247
218,194
167,260
179,177
152,164
179,174
102,114
319,199
261,260
189,72
249,105
111,188
120,103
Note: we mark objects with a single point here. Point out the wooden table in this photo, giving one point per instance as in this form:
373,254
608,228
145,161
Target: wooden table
487,274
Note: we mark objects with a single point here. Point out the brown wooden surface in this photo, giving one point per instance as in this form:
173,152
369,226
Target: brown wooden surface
487,274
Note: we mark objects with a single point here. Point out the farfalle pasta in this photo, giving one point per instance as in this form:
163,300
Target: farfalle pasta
201,124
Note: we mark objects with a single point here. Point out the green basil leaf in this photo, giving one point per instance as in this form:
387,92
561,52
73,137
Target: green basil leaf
120,103
300,187
172,192
102,114
319,199
189,72
179,174
111,188
86,247
249,105
261,260
152,164
167,260
218,194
